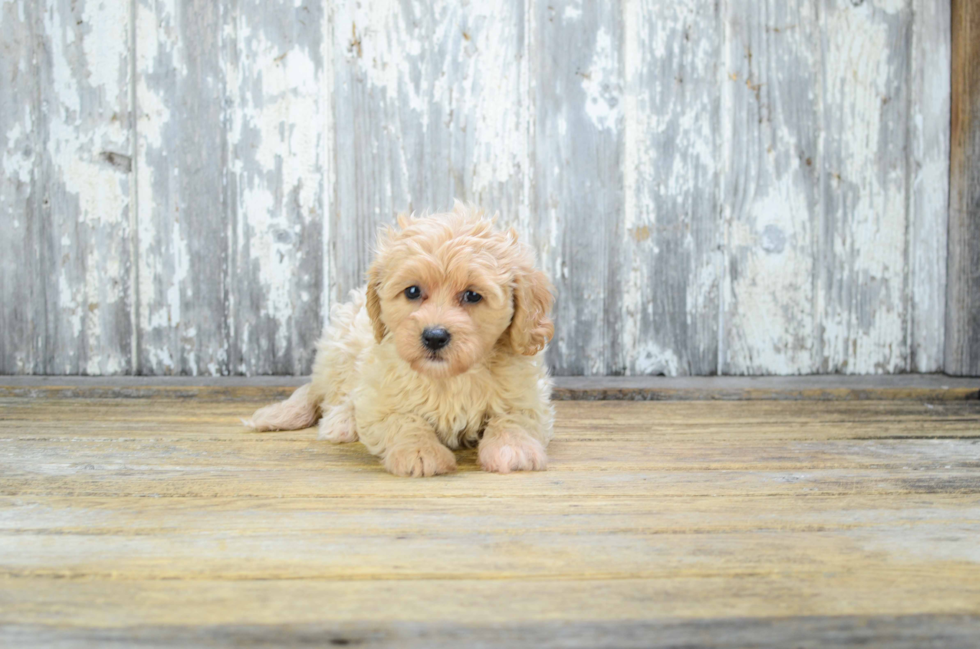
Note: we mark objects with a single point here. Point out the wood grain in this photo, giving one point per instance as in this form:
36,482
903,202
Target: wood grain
577,209
66,188
963,287
20,200
928,171
183,205
667,254
131,520
771,134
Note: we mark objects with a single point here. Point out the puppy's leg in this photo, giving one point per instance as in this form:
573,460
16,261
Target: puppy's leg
408,446
338,425
294,413
508,445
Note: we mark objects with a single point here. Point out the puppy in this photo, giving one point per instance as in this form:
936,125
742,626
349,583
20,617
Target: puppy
442,349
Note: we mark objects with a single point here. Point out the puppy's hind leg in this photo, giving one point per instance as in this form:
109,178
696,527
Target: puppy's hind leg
294,413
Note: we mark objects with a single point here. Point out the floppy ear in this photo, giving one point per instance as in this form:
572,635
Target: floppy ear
531,327
374,301
375,274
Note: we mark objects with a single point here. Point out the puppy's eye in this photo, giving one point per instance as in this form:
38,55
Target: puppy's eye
413,292
471,297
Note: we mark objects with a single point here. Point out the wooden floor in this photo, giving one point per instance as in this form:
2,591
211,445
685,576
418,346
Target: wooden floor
763,523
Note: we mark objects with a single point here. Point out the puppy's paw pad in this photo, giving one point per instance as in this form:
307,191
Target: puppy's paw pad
508,452
420,461
337,426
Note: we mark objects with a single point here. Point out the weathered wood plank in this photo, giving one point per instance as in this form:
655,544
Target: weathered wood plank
279,142
402,547
771,135
963,293
183,195
863,231
928,187
73,227
667,251
577,205
431,106
21,339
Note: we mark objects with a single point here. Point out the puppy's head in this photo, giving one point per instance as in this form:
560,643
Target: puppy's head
450,289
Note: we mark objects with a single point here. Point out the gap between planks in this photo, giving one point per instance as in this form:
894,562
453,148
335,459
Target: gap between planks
922,387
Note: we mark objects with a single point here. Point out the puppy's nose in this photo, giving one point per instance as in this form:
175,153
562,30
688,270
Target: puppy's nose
435,338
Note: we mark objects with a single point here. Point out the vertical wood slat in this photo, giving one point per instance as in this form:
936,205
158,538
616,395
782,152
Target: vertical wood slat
863,235
276,132
428,107
669,241
771,153
182,206
963,287
928,187
578,181
67,276
20,119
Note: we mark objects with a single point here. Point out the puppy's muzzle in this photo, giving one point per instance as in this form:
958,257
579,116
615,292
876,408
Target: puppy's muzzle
435,338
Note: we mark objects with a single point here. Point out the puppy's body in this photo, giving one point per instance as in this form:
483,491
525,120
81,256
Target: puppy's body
374,381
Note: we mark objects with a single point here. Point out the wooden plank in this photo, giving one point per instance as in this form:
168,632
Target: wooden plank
862,235
932,387
183,195
963,287
928,187
577,205
771,133
433,106
70,308
279,143
20,339
497,548
667,251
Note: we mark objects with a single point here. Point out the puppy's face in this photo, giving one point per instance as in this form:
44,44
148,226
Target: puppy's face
450,289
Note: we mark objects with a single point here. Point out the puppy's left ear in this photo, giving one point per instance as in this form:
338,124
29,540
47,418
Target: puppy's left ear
531,328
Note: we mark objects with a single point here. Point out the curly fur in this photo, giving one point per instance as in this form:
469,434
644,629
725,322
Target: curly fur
375,382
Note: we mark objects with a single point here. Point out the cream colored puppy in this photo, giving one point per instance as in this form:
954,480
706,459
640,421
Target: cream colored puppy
443,348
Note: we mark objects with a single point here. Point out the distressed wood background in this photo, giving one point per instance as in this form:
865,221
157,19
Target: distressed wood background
730,186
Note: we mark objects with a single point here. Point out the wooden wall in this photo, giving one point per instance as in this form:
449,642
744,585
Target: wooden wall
734,186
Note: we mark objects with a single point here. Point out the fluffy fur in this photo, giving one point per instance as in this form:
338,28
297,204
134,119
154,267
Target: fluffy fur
374,381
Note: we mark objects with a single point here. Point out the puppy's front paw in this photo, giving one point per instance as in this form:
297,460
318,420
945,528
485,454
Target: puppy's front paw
506,452
420,461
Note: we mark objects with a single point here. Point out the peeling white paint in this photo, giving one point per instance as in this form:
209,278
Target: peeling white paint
16,165
602,84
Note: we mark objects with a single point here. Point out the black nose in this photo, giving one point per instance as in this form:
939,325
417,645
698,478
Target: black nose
435,338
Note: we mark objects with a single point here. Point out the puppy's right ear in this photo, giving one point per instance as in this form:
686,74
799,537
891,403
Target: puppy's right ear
375,275
374,301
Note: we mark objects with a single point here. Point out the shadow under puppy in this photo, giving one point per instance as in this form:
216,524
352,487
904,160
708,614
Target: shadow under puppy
443,348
